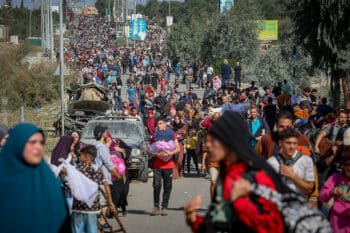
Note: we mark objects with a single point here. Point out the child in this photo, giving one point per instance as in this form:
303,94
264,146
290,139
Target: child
84,219
301,115
338,187
191,144
163,83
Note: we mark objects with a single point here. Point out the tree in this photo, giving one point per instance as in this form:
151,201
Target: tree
22,4
101,6
273,67
323,29
9,3
234,35
185,41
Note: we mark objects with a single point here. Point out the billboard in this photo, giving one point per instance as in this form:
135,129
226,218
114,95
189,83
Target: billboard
138,29
268,30
169,21
226,5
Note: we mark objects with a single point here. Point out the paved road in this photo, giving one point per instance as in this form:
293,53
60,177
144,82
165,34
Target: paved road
141,199
141,204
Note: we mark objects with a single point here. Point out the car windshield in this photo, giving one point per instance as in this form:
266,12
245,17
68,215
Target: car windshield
118,129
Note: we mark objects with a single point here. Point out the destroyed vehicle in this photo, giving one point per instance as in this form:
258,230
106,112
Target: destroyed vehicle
85,103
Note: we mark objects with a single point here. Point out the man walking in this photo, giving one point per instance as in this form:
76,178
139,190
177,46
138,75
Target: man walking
296,169
225,73
163,168
238,72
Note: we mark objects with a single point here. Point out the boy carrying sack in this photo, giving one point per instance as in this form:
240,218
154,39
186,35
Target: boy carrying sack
84,218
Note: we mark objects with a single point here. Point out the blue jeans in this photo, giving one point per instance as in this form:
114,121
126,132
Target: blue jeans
84,223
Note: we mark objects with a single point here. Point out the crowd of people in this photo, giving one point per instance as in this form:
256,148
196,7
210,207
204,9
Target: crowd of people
247,141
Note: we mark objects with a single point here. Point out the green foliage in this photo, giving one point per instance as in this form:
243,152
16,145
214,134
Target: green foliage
21,86
184,41
17,19
218,63
274,67
186,12
101,6
121,41
323,28
235,35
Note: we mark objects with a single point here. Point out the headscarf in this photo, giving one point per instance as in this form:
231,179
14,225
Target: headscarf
31,198
231,130
61,150
177,126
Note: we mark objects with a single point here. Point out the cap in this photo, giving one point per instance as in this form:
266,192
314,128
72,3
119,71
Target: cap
98,131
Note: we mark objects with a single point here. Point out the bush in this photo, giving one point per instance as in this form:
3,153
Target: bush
23,87
217,64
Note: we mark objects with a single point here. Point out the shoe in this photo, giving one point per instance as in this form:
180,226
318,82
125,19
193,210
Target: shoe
164,212
124,211
105,226
155,211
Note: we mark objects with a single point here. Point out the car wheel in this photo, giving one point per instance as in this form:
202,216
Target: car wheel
143,176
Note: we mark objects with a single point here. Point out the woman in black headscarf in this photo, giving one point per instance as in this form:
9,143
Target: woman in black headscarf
61,150
230,209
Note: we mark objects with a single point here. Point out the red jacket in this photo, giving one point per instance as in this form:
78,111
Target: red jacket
246,211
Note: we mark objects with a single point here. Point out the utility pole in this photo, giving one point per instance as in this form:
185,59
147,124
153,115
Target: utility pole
61,67
42,24
47,20
52,45
169,7
30,23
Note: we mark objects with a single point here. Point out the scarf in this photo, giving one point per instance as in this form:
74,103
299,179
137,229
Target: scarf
231,130
61,150
177,126
31,198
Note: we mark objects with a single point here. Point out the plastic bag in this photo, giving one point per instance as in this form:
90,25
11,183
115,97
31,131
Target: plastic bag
82,188
119,165
57,169
161,146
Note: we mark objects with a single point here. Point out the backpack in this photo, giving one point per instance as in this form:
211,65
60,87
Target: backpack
298,215
220,216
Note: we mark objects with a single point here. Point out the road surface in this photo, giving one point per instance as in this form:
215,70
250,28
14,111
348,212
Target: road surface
141,203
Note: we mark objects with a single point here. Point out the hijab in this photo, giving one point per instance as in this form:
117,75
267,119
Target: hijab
232,130
177,126
61,150
31,198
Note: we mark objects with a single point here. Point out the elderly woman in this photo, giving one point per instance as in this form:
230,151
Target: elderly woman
31,197
230,210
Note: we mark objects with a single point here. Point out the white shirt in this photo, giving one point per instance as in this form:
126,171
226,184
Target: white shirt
304,168
210,70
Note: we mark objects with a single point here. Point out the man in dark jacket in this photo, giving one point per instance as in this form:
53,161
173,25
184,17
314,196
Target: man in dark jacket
225,73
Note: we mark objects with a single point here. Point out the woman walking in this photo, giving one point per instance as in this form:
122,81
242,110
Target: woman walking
229,145
31,198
